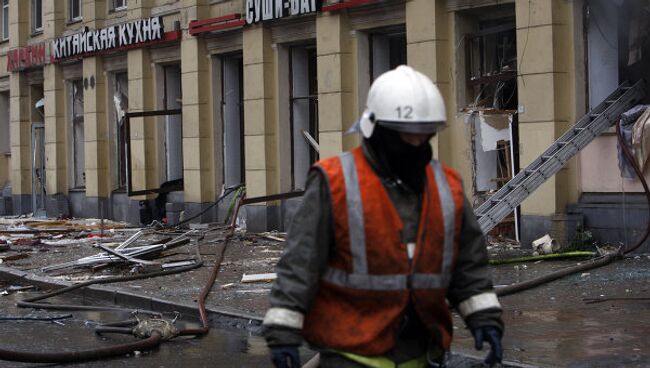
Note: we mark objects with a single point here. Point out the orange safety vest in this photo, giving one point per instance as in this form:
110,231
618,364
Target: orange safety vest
369,280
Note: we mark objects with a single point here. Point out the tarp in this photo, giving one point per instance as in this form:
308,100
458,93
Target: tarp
628,123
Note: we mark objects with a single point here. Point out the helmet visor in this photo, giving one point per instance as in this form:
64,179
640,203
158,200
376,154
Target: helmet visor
423,127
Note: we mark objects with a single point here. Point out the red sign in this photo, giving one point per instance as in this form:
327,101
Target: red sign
27,57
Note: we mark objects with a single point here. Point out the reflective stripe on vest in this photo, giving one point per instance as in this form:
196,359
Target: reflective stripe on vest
359,278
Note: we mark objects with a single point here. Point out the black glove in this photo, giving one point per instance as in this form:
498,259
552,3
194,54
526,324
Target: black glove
285,356
492,335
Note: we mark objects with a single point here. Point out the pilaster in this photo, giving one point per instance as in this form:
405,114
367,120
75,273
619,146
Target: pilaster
20,131
427,39
198,135
97,158
259,119
335,78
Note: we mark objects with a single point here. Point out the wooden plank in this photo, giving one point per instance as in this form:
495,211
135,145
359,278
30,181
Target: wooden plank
261,277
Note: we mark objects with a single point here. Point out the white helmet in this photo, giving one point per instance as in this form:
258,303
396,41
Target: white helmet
405,100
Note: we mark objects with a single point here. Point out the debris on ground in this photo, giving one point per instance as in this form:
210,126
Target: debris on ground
262,277
545,245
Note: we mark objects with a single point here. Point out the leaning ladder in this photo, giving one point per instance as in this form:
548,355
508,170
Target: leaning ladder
599,119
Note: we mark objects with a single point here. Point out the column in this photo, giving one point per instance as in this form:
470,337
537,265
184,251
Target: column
427,38
96,150
198,133
19,116
56,140
335,81
260,125
544,48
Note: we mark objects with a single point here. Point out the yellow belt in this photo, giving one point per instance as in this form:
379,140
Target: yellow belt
383,362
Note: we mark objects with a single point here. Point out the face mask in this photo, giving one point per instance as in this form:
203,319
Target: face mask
403,160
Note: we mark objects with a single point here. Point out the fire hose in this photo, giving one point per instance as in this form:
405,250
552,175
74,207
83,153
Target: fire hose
151,331
599,261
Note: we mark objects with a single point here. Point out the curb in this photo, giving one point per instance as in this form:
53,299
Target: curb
218,317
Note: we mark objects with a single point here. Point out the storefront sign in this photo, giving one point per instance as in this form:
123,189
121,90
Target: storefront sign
123,35
27,57
263,10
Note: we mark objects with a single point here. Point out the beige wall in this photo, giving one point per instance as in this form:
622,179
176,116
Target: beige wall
599,170
547,91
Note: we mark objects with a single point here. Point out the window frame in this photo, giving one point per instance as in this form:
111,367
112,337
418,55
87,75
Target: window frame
120,133
36,29
225,123
121,7
311,98
71,17
5,11
77,119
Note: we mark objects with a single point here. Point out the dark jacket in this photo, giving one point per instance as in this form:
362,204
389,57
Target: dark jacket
311,239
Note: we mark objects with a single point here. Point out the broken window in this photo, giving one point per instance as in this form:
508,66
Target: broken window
77,125
387,51
121,103
173,126
304,112
492,65
4,123
232,104
491,101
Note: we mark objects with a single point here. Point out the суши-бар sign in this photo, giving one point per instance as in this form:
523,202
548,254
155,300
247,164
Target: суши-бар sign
262,10
92,41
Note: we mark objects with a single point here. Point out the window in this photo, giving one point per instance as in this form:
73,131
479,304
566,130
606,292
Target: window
173,123
37,15
488,94
75,10
232,104
303,99
121,103
5,20
119,4
77,124
387,51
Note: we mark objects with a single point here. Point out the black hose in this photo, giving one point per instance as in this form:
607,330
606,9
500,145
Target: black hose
149,343
598,262
529,284
78,356
224,195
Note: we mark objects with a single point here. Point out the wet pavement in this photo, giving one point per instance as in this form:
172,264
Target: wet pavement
221,347
549,326
552,326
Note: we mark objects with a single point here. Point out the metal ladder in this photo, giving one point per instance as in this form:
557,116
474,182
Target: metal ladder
599,119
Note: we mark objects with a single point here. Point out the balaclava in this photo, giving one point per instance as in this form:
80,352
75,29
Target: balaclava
401,159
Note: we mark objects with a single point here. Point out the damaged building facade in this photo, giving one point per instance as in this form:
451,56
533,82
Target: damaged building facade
254,92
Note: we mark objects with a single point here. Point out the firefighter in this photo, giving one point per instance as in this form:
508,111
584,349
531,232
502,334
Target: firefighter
383,244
